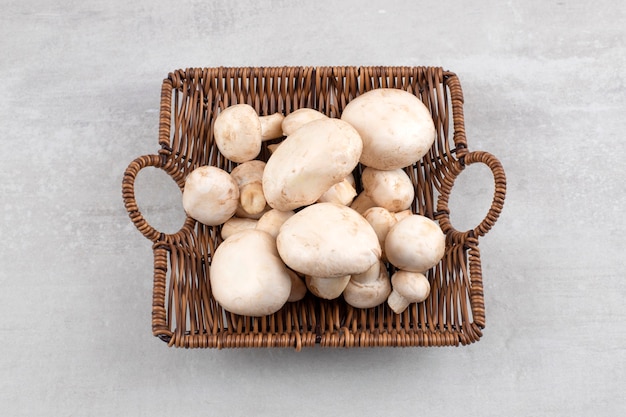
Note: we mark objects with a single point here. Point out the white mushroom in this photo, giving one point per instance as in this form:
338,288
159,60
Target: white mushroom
327,288
328,240
392,190
309,161
402,214
381,220
272,220
239,131
368,289
299,118
341,193
298,287
408,287
396,127
247,276
415,243
235,225
210,195
249,177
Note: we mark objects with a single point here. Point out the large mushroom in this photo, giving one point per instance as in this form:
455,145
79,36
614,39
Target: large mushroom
309,161
239,131
396,127
247,276
210,195
328,240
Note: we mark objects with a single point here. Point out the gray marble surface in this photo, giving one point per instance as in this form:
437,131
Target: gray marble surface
544,85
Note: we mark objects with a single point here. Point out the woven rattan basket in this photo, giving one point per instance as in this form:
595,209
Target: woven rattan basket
184,313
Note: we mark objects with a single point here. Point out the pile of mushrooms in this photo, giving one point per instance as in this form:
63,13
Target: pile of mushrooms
295,223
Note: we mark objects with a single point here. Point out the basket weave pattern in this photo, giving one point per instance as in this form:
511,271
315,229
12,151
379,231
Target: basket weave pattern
184,313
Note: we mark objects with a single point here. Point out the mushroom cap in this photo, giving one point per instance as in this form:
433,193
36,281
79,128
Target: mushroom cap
272,220
247,276
248,172
392,189
415,243
368,293
327,288
298,118
328,240
396,127
413,286
309,161
237,132
236,225
210,195
381,220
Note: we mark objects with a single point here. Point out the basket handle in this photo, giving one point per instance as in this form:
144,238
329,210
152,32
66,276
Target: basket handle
443,212
128,194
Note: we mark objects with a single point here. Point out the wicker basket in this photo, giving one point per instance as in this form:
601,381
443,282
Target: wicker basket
184,313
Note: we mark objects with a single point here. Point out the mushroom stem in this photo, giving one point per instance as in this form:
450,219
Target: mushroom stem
298,287
251,198
397,302
341,193
271,126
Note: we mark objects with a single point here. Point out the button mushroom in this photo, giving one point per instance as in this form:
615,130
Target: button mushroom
392,190
381,220
235,225
299,118
415,243
327,288
341,193
396,127
328,240
272,220
210,195
309,161
408,287
368,289
249,176
239,131
247,276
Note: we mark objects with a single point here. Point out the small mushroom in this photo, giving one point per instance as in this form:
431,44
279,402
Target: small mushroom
392,190
247,276
327,288
415,243
381,220
210,195
341,193
328,240
272,220
235,225
408,287
368,289
309,161
249,177
299,118
239,131
396,127
298,287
